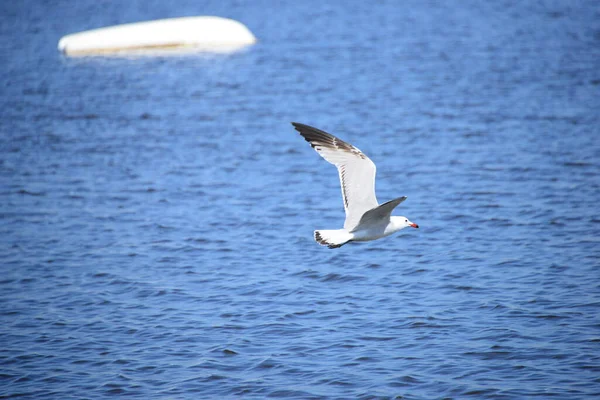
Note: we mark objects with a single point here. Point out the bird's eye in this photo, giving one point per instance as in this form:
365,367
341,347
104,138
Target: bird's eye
405,220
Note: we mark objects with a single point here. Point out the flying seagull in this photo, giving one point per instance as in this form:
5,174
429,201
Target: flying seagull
366,219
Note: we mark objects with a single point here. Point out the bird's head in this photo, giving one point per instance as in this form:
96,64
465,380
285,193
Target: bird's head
403,222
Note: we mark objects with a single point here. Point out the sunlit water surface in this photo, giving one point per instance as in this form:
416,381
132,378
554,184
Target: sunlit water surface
157,213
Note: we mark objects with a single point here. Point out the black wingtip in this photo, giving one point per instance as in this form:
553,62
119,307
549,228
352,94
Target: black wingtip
317,137
310,133
299,127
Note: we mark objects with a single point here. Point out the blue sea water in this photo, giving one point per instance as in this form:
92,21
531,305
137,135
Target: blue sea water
157,212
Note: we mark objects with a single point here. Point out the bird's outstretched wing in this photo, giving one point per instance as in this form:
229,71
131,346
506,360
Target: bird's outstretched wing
356,170
381,212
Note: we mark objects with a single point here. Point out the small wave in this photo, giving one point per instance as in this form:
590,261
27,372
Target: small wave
292,394
377,338
267,363
30,192
577,164
334,277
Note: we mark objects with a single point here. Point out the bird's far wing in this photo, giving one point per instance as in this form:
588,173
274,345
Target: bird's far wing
382,212
356,170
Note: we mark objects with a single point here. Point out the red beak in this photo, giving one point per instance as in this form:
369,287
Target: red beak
414,225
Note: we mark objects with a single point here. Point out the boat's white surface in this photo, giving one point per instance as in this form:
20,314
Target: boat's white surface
214,34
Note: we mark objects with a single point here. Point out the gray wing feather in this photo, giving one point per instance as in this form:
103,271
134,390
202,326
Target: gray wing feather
380,213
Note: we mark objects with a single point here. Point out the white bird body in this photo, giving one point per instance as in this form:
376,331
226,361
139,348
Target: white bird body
366,219
377,231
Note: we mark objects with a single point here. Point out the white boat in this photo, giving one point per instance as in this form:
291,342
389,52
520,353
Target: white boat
210,34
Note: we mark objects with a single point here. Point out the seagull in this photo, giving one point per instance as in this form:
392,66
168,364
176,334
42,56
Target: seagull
366,219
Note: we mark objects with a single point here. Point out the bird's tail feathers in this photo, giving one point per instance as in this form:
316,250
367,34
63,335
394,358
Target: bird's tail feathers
333,238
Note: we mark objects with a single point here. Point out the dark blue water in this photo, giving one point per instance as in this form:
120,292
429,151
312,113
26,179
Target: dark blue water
157,213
